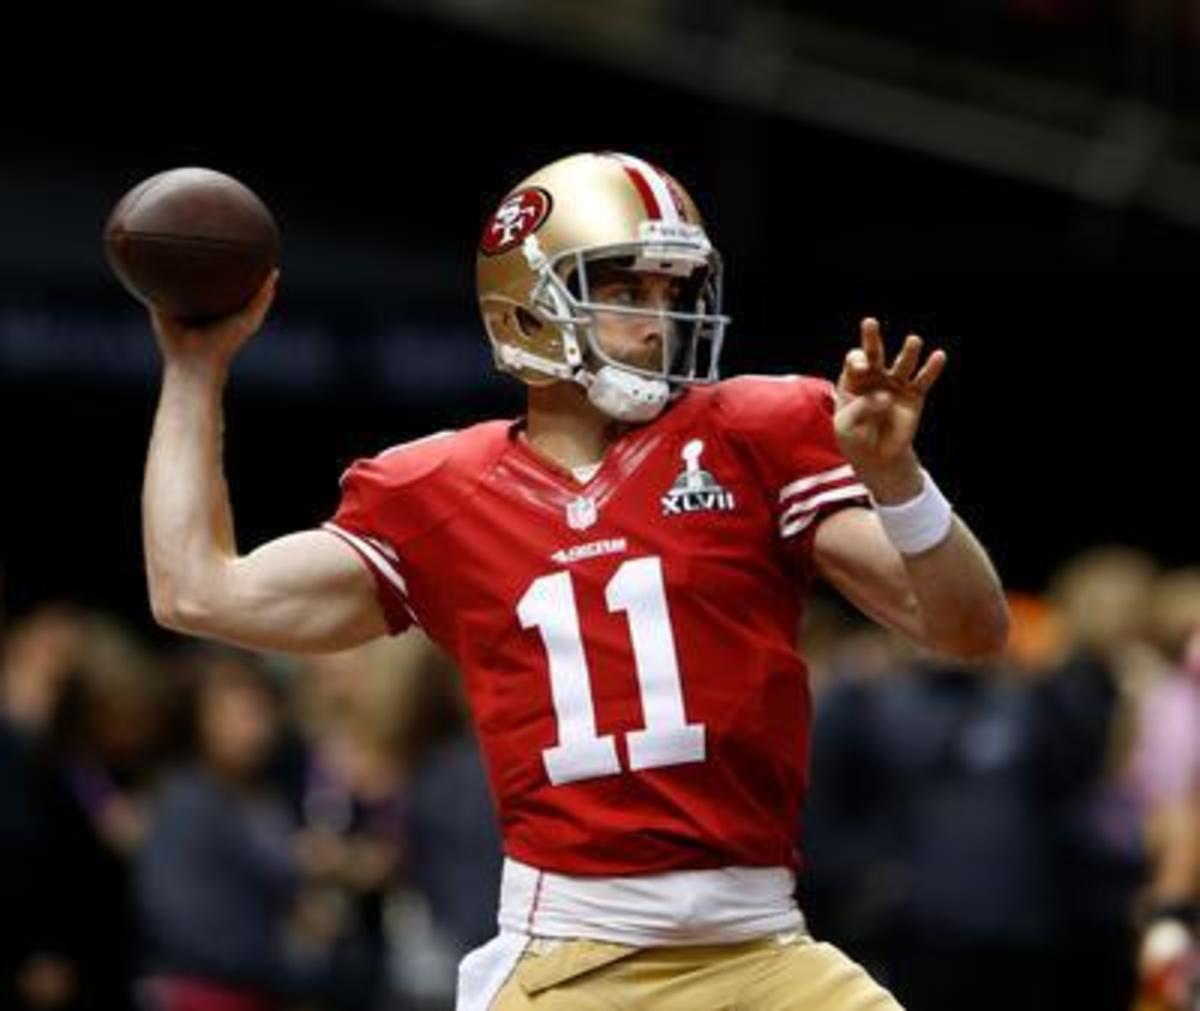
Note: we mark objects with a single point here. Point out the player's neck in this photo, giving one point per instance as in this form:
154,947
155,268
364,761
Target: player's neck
565,427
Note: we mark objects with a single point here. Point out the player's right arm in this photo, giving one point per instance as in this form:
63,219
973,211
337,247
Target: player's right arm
306,592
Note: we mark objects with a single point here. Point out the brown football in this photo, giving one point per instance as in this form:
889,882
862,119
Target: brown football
194,243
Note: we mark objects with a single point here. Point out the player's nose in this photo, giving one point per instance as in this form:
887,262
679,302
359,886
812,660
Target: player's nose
656,330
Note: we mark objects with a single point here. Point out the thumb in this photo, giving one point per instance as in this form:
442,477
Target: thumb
257,308
855,415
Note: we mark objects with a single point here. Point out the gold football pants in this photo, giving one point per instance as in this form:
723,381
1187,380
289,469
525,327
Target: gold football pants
789,973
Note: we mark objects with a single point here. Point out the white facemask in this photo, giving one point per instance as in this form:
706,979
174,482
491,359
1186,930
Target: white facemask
626,397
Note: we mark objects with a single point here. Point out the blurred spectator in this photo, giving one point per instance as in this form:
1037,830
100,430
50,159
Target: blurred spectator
40,655
1166,765
220,880
38,964
392,767
973,822
80,721
455,850
852,881
837,643
940,768
358,718
1091,700
1166,774
108,733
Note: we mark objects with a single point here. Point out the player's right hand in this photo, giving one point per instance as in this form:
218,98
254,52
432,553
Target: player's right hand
214,343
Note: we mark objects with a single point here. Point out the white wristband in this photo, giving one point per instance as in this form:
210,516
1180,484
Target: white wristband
920,523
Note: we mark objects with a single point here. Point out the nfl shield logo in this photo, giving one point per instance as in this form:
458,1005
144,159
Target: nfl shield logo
581,513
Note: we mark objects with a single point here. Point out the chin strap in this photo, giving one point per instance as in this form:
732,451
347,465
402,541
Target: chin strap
619,394
622,395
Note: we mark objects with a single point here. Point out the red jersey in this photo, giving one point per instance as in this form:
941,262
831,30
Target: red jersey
628,643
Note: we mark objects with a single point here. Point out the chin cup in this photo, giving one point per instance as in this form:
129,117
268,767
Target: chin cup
626,397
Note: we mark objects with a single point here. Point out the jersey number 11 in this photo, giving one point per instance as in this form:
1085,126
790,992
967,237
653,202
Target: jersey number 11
581,753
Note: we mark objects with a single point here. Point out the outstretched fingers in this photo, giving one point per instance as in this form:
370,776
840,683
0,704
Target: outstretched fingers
930,371
872,343
906,361
866,369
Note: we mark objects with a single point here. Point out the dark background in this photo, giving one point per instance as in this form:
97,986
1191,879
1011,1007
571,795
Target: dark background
1014,181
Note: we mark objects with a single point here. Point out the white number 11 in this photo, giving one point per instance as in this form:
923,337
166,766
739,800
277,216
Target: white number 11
667,738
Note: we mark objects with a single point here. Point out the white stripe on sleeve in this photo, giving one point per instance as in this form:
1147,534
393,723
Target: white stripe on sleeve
373,554
825,477
800,514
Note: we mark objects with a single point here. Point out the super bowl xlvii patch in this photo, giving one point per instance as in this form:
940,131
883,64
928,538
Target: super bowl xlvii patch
695,490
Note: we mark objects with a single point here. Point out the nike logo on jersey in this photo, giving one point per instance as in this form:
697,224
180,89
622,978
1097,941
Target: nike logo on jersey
695,489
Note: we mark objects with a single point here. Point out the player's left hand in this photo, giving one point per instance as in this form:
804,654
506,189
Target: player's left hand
879,408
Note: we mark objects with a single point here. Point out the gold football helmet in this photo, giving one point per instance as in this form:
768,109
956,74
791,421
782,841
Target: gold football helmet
533,267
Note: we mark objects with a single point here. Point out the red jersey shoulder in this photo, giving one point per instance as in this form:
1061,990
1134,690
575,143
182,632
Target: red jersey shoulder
409,462
411,487
759,405
785,426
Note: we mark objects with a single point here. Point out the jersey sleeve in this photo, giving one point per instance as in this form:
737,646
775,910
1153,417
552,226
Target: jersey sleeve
388,502
787,422
361,522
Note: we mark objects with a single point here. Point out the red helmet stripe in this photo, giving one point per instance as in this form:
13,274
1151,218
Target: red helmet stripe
643,187
651,186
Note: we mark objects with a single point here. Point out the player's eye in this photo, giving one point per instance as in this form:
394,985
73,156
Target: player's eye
619,294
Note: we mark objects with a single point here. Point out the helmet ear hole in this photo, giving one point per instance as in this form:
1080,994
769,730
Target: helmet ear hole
527,322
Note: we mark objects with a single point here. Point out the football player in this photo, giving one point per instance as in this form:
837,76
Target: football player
619,574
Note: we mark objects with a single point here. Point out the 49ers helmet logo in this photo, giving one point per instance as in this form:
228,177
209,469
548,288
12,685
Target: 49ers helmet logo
520,215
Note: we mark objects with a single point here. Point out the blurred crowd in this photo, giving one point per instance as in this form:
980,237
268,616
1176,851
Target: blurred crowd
185,827
1021,835
202,829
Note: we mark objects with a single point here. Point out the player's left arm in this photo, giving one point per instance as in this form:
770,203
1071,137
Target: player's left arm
947,596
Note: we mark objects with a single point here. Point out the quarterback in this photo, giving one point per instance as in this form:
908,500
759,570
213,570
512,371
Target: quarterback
620,575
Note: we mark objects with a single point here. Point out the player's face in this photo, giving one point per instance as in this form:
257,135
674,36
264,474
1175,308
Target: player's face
636,340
